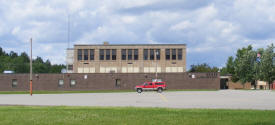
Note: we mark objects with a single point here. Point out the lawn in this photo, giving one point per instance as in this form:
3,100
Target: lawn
60,115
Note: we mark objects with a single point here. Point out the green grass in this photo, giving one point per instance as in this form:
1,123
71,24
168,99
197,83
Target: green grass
93,91
59,115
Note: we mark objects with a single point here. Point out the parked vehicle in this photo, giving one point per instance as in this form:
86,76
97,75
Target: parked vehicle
151,86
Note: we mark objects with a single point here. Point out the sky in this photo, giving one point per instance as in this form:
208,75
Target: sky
213,30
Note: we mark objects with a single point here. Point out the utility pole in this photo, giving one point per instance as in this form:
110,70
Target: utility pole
31,68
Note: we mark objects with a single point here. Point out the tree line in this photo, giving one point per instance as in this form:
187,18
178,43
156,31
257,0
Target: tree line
20,63
251,65
248,65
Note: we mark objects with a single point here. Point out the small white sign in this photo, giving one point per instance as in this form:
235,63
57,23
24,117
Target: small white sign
85,76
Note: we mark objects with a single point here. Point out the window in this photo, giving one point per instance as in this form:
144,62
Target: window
152,56
117,83
70,67
14,83
113,54
158,54
92,54
167,54
60,82
174,57
130,54
123,54
179,54
108,54
161,83
86,54
101,54
135,54
73,83
79,54
145,54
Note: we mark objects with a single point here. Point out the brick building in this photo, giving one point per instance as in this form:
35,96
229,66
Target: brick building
106,81
127,58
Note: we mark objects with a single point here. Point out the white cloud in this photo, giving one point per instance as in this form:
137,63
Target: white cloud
212,27
15,30
128,19
181,26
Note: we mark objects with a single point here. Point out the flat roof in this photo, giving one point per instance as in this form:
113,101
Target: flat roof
130,45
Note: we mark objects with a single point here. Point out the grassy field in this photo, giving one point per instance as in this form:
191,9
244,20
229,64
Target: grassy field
30,115
93,91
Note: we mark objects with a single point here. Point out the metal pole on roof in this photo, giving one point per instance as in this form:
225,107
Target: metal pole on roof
69,39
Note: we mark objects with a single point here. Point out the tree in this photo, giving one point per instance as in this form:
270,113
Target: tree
265,65
21,64
230,65
57,68
13,54
1,52
247,67
203,68
244,65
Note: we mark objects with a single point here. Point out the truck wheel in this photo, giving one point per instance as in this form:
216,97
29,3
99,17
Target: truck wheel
139,90
159,90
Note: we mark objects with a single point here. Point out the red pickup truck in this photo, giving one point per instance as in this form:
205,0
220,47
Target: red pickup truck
155,86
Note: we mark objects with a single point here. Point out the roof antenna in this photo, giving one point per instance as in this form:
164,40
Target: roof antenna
67,66
69,38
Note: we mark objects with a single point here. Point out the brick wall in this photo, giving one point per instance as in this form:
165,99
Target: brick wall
107,81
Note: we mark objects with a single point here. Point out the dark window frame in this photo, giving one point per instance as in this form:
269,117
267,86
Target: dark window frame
123,54
174,54
101,54
152,54
145,54
12,83
167,54
113,54
158,55
92,54
71,85
86,54
179,54
59,85
135,54
118,83
70,67
130,54
79,54
108,54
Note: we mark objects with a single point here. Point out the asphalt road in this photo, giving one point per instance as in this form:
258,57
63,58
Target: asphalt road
223,99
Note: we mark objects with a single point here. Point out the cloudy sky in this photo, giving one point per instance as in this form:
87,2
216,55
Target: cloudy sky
212,29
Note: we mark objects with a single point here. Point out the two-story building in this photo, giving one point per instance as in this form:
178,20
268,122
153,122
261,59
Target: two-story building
127,58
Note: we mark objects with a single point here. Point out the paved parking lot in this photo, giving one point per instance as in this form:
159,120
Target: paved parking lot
225,99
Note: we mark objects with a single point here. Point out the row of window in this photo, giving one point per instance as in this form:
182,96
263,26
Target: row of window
151,53
129,69
129,54
60,83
